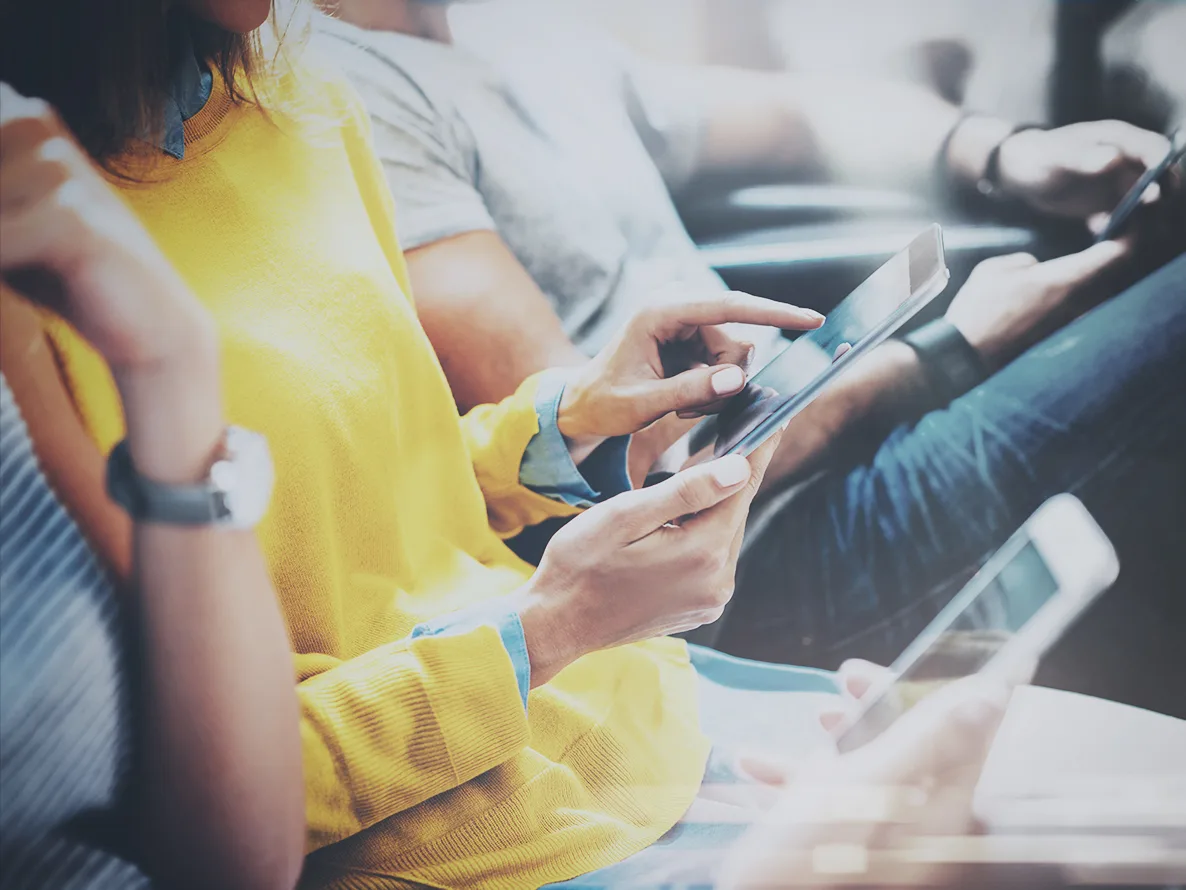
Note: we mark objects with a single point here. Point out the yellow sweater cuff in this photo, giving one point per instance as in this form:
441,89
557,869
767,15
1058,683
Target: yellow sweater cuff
402,723
497,437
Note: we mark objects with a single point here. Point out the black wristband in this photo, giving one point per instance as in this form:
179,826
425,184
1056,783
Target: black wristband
989,183
951,364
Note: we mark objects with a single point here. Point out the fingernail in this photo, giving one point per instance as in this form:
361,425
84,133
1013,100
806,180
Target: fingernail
812,315
749,356
728,380
730,471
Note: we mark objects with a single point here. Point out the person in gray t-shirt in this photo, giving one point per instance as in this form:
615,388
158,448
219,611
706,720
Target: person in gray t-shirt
533,160
533,169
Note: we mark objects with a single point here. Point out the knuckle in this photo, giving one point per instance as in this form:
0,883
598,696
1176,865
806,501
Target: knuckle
722,595
712,616
687,496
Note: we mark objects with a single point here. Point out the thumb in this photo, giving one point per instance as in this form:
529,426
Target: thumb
1077,268
946,731
694,389
637,514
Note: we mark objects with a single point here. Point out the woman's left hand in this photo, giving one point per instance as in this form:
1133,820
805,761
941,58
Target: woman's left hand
67,240
670,358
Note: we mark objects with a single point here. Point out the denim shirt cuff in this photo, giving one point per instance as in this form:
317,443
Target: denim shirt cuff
492,614
547,467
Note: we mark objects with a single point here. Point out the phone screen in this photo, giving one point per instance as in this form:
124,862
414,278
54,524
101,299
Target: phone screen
870,314
976,625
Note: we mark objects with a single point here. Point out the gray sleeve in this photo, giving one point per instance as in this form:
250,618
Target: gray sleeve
428,157
667,112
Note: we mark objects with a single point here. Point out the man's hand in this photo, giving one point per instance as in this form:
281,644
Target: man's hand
1009,303
670,358
1079,170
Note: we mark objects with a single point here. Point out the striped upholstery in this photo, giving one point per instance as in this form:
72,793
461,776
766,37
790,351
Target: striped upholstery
64,706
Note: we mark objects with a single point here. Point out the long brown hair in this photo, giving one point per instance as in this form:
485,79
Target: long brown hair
106,65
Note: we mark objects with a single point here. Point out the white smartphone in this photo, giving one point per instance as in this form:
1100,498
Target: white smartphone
791,381
1005,619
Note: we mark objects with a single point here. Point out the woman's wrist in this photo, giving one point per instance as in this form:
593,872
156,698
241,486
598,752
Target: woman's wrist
552,643
173,413
574,422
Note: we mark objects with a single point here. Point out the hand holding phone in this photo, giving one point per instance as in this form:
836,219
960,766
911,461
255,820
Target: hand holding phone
1004,620
1128,205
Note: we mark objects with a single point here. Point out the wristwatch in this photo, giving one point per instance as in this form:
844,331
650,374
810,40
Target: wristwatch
234,495
989,183
951,364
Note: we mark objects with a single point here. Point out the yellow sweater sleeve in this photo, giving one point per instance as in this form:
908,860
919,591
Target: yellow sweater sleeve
497,437
402,723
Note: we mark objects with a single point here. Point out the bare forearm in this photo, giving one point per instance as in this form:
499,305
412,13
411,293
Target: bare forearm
869,399
220,774
851,130
489,323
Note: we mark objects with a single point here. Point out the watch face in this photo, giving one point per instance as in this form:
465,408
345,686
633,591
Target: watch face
245,478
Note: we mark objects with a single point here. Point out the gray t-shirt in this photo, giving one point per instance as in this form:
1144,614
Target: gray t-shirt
560,140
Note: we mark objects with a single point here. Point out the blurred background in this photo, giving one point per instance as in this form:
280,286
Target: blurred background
1043,61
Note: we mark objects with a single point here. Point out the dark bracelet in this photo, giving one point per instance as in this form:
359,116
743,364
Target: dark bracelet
951,364
989,184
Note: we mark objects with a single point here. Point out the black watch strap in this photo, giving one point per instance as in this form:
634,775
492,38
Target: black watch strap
952,364
989,183
145,500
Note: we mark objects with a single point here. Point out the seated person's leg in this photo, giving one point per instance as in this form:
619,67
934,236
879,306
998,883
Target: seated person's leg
846,568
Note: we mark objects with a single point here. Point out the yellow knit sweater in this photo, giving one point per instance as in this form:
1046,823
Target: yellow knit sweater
420,762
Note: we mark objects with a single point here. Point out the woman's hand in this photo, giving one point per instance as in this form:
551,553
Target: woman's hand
644,564
670,358
69,242
58,215
857,819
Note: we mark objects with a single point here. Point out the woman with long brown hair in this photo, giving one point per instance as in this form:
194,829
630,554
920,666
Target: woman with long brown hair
262,244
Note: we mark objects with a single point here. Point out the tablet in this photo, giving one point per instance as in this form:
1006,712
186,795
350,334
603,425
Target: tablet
868,316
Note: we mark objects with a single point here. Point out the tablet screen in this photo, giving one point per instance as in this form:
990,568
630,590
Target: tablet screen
792,380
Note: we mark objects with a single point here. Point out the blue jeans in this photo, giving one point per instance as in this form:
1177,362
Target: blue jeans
856,563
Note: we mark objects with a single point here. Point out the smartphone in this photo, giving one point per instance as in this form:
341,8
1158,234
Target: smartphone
790,382
1129,204
1005,619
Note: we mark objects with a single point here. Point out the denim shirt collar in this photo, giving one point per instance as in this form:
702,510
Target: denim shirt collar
190,84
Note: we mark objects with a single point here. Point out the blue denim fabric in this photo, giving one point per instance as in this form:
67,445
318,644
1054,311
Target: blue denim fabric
859,561
189,90
547,466
494,614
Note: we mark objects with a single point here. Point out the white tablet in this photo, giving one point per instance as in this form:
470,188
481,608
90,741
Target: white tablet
889,298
